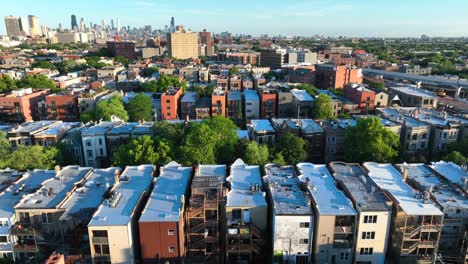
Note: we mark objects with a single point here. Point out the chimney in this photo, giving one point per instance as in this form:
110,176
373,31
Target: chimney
405,174
116,177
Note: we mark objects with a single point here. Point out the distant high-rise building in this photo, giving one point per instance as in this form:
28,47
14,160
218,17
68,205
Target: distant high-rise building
103,24
60,27
82,25
74,23
22,25
172,26
182,44
12,26
112,23
207,41
33,26
118,24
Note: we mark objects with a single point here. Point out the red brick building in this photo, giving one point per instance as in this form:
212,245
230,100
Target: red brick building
360,95
218,102
268,102
122,48
20,105
222,81
302,74
332,76
170,103
62,106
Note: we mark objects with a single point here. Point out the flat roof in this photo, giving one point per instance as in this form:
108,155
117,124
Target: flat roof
33,126
328,199
261,125
251,95
53,191
189,97
286,196
61,127
452,172
243,178
86,199
361,189
166,200
123,128
308,126
414,91
100,128
234,95
277,122
143,128
395,116
118,210
242,134
211,171
302,95
445,194
29,182
390,179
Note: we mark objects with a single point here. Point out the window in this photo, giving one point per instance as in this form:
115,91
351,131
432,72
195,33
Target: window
415,136
304,241
344,256
97,249
368,235
99,233
105,249
90,153
423,144
100,141
370,219
3,239
168,101
424,136
171,249
45,217
170,232
236,214
366,251
88,143
304,225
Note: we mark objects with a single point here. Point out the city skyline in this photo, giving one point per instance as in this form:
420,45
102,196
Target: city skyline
362,18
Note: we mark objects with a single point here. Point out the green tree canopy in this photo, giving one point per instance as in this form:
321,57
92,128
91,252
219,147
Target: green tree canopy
114,106
149,71
141,150
256,154
198,147
292,148
369,140
456,157
121,59
140,108
43,65
33,157
160,86
38,81
7,84
309,88
323,107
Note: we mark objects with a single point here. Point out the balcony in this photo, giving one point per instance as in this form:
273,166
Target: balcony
342,243
344,229
100,240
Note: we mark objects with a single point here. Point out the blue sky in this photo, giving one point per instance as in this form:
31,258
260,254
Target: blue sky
384,18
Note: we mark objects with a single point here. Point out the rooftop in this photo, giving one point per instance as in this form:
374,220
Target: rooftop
211,170
53,191
308,126
189,97
30,182
302,95
452,172
100,128
261,125
242,134
287,198
445,195
329,93
328,199
246,185
59,128
395,116
414,91
251,95
278,122
118,210
234,95
32,127
359,87
361,189
390,179
166,200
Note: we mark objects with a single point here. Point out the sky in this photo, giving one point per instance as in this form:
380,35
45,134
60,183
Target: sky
351,18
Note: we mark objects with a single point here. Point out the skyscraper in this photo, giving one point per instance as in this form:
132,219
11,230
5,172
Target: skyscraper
12,26
33,26
82,25
112,23
118,24
172,26
74,23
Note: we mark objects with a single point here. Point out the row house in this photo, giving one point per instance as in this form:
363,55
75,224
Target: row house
261,131
251,104
203,108
21,105
188,105
292,217
455,174
303,103
335,218
247,83
234,105
218,102
416,220
334,138
59,106
113,229
336,77
359,94
24,134
161,224
268,102
411,96
235,83
170,103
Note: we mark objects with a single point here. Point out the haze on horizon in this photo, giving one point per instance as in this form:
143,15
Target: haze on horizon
352,18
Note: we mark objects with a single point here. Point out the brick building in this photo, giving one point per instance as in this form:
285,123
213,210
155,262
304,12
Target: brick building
122,48
218,102
331,76
20,105
61,106
268,102
360,95
170,102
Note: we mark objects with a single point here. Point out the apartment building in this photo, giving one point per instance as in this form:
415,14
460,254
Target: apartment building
262,131
182,44
452,172
125,48
24,134
218,102
188,104
251,104
335,217
204,216
359,94
20,105
94,144
39,211
161,225
292,216
113,229
414,97
373,208
452,202
335,136
170,103
246,215
268,101
234,105
303,103
235,83
55,134
203,108
416,221
247,83
331,76
223,81
9,198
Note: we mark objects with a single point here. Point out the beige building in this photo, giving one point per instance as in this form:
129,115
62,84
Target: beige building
335,217
381,99
34,29
182,44
12,25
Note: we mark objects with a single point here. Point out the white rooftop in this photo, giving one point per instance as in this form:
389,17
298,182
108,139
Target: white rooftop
251,95
302,95
118,210
328,199
165,203
414,91
53,191
211,170
30,182
242,178
261,125
59,128
452,172
390,179
242,134
286,196
85,200
100,128
189,97
33,126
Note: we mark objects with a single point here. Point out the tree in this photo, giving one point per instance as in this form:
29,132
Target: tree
369,140
38,81
292,148
149,71
87,116
141,150
121,59
204,91
95,62
279,159
233,70
160,86
114,106
4,149
256,154
456,157
323,107
310,89
198,146
140,108
225,138
33,157
43,65
7,84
